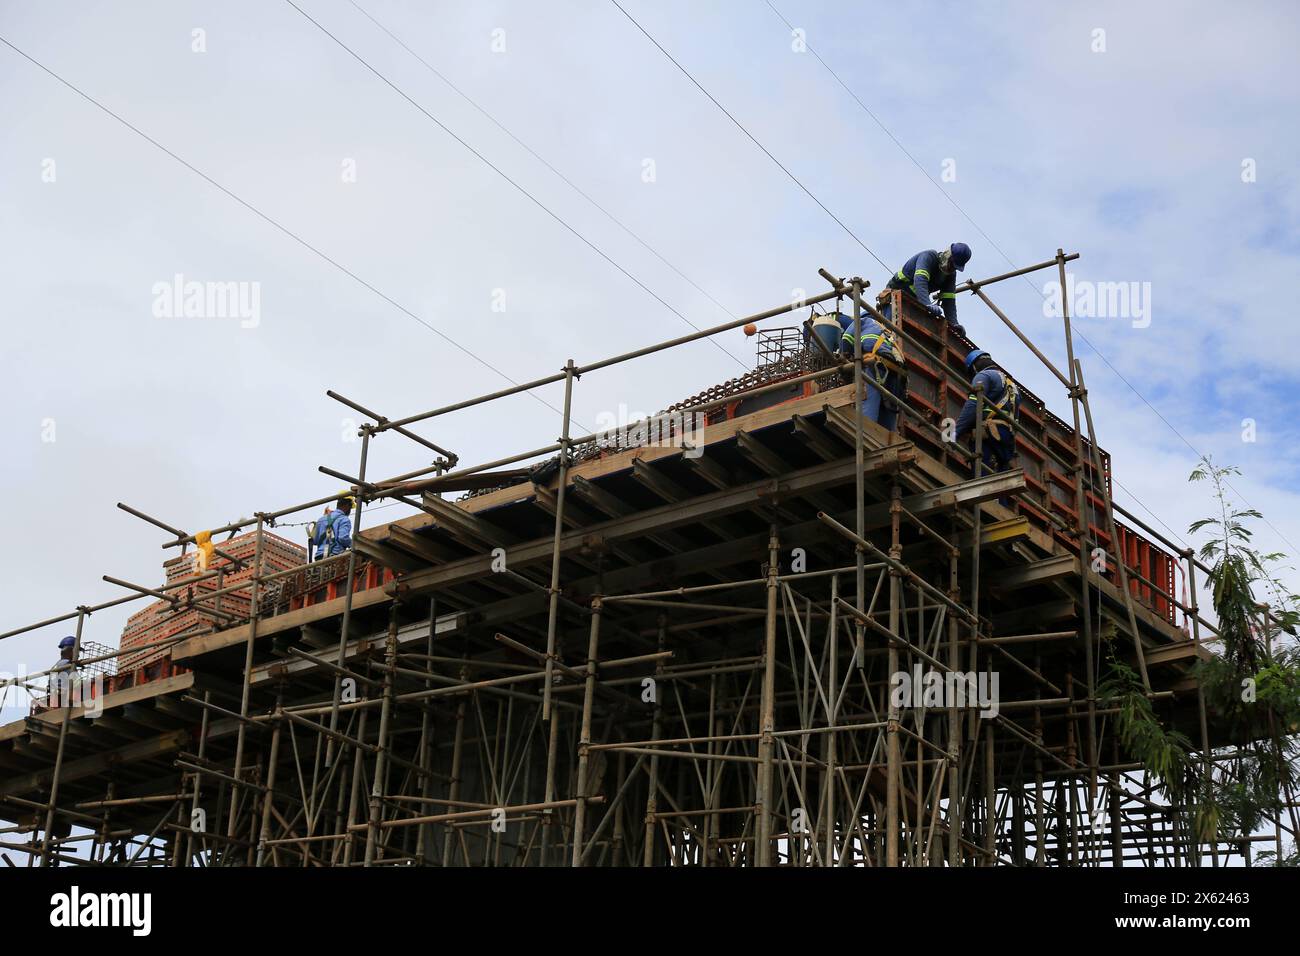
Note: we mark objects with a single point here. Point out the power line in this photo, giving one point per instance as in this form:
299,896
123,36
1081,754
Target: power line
266,218
924,172
948,196
906,152
532,152
1155,517
496,169
740,126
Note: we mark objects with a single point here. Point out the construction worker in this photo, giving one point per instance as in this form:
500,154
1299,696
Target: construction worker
882,366
333,534
1000,395
930,272
59,686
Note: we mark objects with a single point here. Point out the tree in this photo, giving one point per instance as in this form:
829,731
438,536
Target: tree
1253,684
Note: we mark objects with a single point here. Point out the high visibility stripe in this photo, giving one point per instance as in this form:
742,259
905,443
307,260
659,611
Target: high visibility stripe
992,420
922,272
884,345
948,295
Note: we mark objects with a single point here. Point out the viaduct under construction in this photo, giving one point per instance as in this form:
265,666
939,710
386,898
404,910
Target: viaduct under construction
668,646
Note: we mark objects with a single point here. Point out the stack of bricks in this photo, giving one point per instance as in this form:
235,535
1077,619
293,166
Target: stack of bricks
158,621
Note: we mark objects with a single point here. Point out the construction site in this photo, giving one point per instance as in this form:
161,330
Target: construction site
674,644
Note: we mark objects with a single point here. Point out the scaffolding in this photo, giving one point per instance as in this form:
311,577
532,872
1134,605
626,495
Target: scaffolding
684,649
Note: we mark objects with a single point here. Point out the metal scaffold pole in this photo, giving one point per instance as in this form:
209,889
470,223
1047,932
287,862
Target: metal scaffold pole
767,710
728,712
67,703
245,691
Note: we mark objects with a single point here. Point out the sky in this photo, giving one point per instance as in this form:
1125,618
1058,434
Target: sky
409,245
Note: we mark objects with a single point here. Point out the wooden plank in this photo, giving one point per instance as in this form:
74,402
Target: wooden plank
664,518
465,526
1032,618
669,491
280,622
1186,651
120,698
816,438
615,507
622,461
769,462
97,763
576,516
1040,572
419,545
411,635
998,532
387,556
712,472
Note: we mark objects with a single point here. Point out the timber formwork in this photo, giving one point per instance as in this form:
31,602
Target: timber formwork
678,652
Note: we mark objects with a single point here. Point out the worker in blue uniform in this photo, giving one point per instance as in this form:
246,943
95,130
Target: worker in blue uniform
883,366
930,272
1000,395
333,532
63,674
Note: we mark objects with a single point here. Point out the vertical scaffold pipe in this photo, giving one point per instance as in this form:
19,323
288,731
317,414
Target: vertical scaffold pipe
65,680
236,792
347,600
767,719
893,756
553,610
584,738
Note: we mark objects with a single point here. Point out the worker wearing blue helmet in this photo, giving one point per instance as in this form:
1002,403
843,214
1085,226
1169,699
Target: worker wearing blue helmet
60,682
1000,396
934,273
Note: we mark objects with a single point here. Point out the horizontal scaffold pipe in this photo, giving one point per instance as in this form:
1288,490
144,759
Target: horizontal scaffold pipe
615,360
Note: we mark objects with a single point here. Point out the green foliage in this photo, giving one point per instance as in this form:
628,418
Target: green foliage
1164,752
1277,685
1270,858
1253,684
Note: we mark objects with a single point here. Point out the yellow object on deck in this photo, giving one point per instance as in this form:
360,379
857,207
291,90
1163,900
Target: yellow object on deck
205,548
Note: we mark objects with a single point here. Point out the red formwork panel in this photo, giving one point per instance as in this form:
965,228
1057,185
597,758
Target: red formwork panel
318,583
937,386
1152,572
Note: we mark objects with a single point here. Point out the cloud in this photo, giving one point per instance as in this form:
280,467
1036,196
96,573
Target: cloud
1132,157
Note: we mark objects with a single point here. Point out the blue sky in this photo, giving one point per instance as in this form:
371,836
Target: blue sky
1132,156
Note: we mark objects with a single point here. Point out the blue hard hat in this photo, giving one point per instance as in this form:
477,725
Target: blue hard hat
67,642
972,355
960,255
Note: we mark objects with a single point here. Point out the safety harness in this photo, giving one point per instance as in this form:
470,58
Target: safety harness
881,350
885,355
1009,403
329,521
